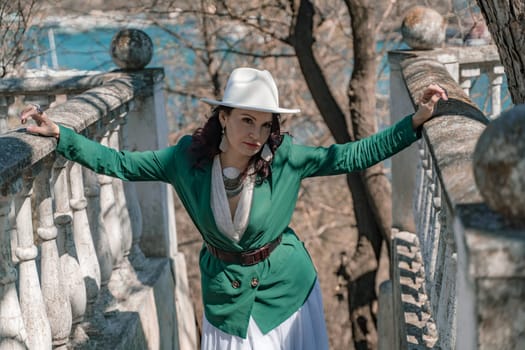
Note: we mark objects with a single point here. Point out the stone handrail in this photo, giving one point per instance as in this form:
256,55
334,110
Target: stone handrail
70,240
439,295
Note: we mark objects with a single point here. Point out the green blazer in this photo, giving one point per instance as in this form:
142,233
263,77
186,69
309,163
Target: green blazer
275,288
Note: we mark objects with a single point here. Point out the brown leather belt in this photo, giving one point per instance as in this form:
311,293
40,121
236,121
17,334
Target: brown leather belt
250,257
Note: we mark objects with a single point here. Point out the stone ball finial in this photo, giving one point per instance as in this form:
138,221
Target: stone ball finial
423,28
499,164
131,49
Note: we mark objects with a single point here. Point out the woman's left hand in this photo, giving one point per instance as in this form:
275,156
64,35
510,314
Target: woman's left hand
427,103
44,126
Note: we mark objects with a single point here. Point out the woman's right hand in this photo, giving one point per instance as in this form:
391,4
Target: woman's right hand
44,126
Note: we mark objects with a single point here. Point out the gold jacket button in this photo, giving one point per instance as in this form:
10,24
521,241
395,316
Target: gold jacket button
255,282
236,284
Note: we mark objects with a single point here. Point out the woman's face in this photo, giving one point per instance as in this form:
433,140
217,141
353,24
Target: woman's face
246,131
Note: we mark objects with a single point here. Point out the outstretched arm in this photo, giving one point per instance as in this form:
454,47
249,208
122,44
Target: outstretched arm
131,166
361,154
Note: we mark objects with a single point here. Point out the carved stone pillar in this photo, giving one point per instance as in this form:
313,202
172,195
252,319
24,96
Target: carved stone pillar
31,300
496,79
109,213
120,200
68,255
96,223
101,246
13,334
136,257
55,294
466,75
85,248
156,198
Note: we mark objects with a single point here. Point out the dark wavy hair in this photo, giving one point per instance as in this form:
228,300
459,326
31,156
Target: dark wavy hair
206,140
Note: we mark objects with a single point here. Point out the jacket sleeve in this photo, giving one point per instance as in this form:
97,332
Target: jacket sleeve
356,155
125,165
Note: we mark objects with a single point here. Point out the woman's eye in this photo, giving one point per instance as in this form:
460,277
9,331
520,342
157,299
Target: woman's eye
247,120
267,126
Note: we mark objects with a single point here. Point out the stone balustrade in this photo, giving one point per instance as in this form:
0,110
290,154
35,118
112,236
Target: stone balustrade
457,280
81,251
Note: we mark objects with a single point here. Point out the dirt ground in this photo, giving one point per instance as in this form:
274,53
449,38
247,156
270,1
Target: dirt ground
324,220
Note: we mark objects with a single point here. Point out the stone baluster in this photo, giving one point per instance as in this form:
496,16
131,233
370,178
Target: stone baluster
421,190
13,335
496,79
96,223
102,249
466,76
438,256
68,256
434,230
120,197
56,299
5,102
431,246
446,304
427,205
109,213
134,210
427,246
11,228
31,299
419,186
85,248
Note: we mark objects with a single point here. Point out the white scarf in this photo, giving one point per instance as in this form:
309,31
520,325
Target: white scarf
221,209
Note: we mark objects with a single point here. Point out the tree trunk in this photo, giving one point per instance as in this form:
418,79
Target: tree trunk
370,189
507,27
362,105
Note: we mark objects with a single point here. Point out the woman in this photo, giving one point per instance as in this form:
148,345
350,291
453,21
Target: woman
239,178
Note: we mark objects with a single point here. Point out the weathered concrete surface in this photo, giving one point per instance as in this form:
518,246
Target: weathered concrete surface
491,274
501,314
451,140
142,312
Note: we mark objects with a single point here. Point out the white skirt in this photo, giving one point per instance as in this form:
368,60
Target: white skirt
304,330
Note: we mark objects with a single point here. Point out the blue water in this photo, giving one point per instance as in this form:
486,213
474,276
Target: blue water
89,50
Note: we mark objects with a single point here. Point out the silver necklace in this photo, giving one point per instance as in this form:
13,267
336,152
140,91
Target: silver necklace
233,181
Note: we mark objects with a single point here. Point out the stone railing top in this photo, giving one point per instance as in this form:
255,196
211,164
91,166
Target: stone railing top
21,151
68,82
453,133
481,56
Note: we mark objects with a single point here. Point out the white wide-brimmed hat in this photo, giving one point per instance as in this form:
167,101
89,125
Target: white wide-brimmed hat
252,89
